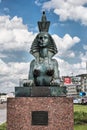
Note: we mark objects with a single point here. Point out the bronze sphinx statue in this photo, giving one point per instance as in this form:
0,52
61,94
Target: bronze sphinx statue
43,69
43,77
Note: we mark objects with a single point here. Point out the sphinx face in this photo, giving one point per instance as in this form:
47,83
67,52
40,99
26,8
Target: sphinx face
43,40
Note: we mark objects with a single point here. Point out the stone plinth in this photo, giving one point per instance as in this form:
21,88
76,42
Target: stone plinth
59,109
40,91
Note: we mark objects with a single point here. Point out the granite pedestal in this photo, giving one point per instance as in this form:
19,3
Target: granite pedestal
40,113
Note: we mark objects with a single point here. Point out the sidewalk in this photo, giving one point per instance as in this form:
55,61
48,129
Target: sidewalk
3,113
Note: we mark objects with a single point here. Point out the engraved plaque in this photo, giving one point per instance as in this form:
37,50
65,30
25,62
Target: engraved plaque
39,118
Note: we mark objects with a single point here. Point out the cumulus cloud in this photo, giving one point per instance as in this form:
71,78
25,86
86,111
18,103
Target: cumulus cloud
37,2
14,34
65,43
68,9
83,56
11,73
66,69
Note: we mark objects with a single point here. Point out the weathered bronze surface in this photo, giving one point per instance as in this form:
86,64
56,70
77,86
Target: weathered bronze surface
22,91
40,92
44,69
37,91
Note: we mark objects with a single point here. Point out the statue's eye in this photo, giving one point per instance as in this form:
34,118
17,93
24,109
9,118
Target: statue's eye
45,37
41,38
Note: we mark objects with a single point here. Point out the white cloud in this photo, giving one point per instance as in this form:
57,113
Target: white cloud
68,54
11,73
66,69
14,34
14,69
65,43
37,2
69,9
85,47
3,68
6,10
71,54
83,57
3,55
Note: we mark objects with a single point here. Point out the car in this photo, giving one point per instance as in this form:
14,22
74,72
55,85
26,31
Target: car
77,101
84,101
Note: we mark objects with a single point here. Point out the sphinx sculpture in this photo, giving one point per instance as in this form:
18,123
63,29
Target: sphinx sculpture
43,69
43,74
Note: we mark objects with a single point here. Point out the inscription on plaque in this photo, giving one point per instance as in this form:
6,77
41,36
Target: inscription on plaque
39,117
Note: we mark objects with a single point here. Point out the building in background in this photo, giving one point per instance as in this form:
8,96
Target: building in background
4,96
83,82
73,85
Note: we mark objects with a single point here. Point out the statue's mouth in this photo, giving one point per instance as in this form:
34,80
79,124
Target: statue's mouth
41,44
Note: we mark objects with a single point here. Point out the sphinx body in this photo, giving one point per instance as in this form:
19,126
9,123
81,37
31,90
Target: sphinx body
43,69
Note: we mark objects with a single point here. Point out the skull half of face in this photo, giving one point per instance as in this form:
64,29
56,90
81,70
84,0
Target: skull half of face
43,40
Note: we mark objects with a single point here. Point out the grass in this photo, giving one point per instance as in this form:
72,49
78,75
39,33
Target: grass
80,118
80,108
3,126
80,127
80,114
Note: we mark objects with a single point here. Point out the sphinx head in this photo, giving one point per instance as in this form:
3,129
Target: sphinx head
43,40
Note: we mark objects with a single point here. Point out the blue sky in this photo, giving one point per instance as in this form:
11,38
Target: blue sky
18,28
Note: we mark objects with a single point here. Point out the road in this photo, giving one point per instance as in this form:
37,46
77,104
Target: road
3,113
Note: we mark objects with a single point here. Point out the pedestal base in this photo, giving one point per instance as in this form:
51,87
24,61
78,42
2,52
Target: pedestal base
40,113
40,91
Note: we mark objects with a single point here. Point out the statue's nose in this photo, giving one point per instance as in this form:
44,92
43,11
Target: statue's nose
41,39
